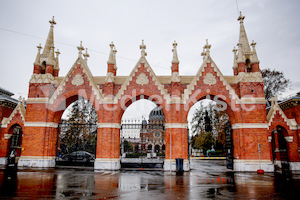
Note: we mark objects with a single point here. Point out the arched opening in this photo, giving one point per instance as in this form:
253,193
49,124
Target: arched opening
210,133
43,67
15,143
248,66
163,148
142,125
77,134
280,150
156,148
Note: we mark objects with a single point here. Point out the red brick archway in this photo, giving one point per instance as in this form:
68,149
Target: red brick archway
110,94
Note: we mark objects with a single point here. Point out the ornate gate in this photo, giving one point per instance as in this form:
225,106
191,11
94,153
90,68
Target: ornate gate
76,144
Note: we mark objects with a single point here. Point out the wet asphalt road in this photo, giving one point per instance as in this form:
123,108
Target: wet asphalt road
206,180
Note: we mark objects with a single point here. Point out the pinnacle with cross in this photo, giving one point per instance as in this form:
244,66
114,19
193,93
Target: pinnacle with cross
241,18
80,48
253,43
52,22
143,47
57,53
234,51
86,55
39,47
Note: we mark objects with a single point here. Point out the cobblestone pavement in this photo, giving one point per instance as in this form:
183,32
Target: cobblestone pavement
208,179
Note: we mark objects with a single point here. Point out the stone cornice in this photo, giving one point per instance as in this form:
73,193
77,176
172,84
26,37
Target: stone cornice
249,125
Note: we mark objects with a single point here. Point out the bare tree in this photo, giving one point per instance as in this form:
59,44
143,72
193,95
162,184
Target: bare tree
274,83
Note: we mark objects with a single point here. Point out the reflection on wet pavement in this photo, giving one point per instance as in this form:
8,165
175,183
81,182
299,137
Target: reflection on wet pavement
206,180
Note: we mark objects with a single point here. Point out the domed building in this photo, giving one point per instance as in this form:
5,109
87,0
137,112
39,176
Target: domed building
152,134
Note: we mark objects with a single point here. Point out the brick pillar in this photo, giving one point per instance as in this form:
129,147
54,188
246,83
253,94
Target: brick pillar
176,138
108,140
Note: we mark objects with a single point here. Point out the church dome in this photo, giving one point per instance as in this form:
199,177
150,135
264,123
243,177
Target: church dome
156,114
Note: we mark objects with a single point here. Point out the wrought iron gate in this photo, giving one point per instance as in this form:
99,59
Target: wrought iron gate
229,146
76,144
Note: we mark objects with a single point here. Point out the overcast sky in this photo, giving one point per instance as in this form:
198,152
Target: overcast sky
273,24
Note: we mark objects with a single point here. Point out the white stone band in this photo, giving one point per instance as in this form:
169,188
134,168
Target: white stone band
249,125
36,100
109,125
41,124
253,165
176,125
107,164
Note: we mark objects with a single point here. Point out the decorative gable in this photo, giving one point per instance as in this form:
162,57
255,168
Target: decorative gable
209,79
76,77
142,79
275,111
18,109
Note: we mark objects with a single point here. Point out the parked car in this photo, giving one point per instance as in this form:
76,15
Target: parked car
79,156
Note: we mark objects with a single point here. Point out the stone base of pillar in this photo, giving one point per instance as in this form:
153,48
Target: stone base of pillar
172,164
36,161
107,164
253,165
295,166
3,161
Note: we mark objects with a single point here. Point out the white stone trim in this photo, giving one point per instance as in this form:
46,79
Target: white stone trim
176,125
89,76
37,161
107,164
3,161
20,107
124,86
253,100
249,125
192,85
171,163
41,124
295,166
109,125
252,165
292,124
37,100
270,138
289,138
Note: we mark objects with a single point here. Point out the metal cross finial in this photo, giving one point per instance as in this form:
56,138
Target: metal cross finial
52,22
57,53
20,100
174,44
253,43
207,46
112,45
80,48
241,18
39,47
234,50
86,55
203,53
143,47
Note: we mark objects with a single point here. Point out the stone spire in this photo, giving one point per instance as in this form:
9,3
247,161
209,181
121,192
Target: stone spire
235,65
57,63
203,53
240,54
50,60
207,47
86,55
50,38
254,55
243,40
115,60
80,49
38,56
175,56
111,59
143,47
